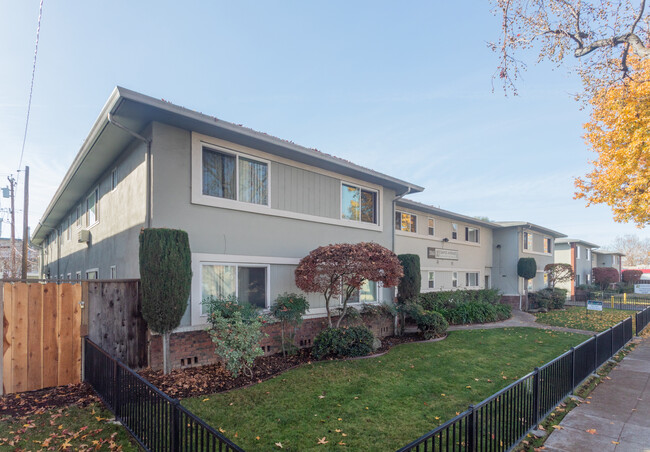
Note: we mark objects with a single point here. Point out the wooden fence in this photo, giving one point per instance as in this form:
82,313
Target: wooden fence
41,340
43,323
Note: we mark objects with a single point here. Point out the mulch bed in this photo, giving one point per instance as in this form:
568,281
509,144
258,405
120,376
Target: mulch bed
37,402
202,380
180,383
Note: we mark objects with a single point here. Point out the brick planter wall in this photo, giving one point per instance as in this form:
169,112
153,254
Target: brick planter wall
195,348
513,301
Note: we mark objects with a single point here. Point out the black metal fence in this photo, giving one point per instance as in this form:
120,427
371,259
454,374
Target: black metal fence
503,420
155,420
629,301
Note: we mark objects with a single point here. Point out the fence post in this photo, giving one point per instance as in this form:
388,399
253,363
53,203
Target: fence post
573,368
116,390
472,427
536,390
175,427
595,354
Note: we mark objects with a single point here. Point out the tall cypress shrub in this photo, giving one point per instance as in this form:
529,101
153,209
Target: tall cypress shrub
527,269
409,284
165,278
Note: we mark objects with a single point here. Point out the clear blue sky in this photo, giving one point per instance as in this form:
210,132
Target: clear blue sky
403,88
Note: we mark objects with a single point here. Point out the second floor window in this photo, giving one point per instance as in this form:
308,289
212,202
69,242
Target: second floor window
91,208
547,245
358,204
432,224
528,241
471,235
405,222
454,231
235,177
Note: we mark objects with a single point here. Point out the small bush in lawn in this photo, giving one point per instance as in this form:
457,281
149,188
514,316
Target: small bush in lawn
343,342
548,298
289,309
235,329
430,323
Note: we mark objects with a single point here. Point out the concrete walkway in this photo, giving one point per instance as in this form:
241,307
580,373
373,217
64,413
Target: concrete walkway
519,318
616,416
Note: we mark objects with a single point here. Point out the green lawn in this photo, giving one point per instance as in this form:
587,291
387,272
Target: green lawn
380,403
579,318
70,428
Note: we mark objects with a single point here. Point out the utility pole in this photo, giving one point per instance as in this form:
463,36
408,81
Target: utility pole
12,183
25,225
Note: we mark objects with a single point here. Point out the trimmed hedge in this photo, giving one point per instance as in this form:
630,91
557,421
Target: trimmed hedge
548,298
409,284
343,342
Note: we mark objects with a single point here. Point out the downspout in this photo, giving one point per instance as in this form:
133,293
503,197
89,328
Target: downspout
392,227
147,141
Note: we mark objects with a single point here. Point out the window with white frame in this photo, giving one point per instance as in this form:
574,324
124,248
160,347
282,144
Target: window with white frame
528,241
405,222
77,275
432,226
577,280
247,282
531,285
454,231
113,272
432,280
577,251
92,274
113,179
471,279
79,216
69,276
233,176
358,204
454,279
588,254
471,235
588,277
366,294
91,208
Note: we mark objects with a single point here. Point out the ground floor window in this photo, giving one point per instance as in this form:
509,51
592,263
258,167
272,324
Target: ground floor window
471,279
432,280
92,274
454,279
247,282
366,294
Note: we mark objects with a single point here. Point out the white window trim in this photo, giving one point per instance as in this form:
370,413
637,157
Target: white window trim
77,275
429,280
452,231
113,271
454,277
237,155
478,233
198,140
114,179
200,259
87,211
434,226
360,187
90,270
69,276
404,212
478,278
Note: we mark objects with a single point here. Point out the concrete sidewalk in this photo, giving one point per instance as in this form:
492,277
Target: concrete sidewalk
617,414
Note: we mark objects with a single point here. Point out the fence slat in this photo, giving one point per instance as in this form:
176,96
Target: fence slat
8,380
76,333
66,313
50,331
19,337
35,337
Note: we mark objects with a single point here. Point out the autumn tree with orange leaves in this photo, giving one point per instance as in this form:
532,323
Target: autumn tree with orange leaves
619,133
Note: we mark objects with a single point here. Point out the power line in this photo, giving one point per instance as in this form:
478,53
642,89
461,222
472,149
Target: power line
31,88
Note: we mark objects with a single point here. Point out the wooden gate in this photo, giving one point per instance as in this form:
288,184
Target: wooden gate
41,335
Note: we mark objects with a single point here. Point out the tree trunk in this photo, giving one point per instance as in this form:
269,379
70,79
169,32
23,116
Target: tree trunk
166,363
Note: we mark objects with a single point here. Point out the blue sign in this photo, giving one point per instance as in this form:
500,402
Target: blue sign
594,305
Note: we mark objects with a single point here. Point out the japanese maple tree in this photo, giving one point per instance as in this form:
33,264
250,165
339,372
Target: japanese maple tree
631,276
340,270
558,273
604,276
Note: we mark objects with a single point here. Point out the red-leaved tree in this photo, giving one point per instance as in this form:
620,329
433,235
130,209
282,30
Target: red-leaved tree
558,273
631,276
604,276
340,270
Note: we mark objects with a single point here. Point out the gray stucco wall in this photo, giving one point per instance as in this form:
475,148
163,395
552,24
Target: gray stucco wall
472,257
114,238
226,235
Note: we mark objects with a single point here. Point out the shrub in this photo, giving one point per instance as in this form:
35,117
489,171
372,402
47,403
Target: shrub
430,323
472,312
631,276
504,311
409,284
165,279
289,309
343,342
604,276
548,298
235,329
527,267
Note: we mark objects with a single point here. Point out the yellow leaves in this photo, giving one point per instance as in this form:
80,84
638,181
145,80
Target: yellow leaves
617,132
323,440
205,400
592,431
279,445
